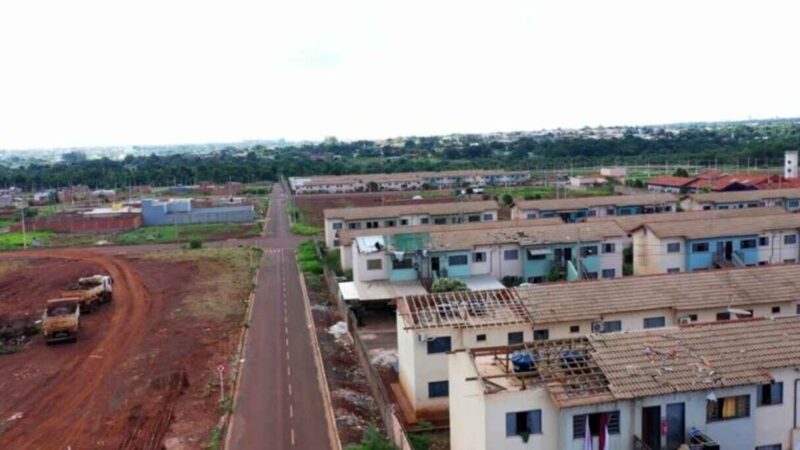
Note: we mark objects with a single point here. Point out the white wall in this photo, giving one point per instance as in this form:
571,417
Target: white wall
499,404
777,252
467,409
360,272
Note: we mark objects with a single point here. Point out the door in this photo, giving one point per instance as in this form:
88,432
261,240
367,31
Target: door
728,250
676,425
435,265
651,427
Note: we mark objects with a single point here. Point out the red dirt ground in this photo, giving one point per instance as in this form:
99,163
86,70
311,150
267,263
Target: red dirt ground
141,371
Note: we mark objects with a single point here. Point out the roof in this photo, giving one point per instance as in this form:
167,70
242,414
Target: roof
666,180
726,226
434,209
688,291
467,309
745,196
527,235
380,290
346,236
629,365
632,222
588,202
394,177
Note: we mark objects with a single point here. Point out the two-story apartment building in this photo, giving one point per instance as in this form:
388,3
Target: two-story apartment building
427,324
405,216
408,181
670,247
726,385
577,209
784,198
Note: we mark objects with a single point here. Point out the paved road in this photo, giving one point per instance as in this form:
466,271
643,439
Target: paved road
279,404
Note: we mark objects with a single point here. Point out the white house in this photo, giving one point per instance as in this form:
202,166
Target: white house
577,209
784,198
405,216
729,385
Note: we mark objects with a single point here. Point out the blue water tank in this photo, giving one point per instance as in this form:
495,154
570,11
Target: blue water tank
524,361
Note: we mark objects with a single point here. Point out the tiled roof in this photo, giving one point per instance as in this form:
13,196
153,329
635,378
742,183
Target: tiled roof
588,202
728,226
630,223
346,236
533,234
468,309
397,177
671,181
379,212
696,358
591,300
745,196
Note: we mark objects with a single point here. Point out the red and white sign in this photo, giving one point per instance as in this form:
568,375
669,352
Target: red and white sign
221,368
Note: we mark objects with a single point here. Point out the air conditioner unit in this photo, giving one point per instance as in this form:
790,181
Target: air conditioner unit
422,337
684,320
598,326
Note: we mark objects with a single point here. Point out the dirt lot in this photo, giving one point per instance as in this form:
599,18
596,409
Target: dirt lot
142,371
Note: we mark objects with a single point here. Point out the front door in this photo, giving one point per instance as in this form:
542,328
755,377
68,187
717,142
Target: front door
435,265
728,250
651,427
676,425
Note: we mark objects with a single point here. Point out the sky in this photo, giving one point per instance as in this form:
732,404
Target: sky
91,73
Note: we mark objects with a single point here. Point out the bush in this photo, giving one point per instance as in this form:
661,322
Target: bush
448,285
510,281
373,440
305,230
195,244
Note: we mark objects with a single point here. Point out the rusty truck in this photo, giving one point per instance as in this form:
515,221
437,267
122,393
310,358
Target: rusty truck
61,320
91,292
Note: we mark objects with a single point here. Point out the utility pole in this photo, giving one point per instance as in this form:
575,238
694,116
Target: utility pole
24,240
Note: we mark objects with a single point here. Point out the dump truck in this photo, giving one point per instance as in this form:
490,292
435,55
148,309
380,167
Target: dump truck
61,320
91,292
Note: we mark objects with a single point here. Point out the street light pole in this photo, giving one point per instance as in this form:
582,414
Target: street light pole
24,240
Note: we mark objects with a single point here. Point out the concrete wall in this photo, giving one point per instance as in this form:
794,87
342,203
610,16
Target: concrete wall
78,223
650,254
156,213
467,406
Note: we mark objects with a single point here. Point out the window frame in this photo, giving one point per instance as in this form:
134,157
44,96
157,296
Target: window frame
438,389
589,250
370,262
531,418
541,334
671,246
450,262
647,323
518,337
700,247
613,273
439,344
478,257
513,252
713,409
771,400
790,237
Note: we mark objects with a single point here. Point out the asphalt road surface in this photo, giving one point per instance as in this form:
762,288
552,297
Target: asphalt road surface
279,404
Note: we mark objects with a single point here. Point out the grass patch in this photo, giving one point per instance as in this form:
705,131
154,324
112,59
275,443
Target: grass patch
544,192
186,233
9,241
305,230
6,222
307,258
214,439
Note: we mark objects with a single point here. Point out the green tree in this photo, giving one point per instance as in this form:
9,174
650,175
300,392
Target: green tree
448,285
680,172
507,199
373,440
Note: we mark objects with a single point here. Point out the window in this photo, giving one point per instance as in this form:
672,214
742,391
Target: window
405,263
674,270
474,218
579,424
700,247
439,345
438,389
337,225
523,422
541,335
609,248
612,325
480,338
354,225
654,322
531,216
373,224
609,273
374,264
336,243
769,394
457,260
403,222
610,211
763,241
727,408
724,316
536,256
674,247
479,257
575,329
748,243
769,447
590,250
439,220
511,255
489,217
591,213
776,310
790,239
425,220
516,337
390,223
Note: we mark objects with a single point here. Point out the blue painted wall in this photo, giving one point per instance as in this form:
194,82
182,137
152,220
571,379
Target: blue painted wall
454,271
704,260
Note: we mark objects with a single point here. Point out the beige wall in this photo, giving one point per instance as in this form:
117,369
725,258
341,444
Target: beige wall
650,254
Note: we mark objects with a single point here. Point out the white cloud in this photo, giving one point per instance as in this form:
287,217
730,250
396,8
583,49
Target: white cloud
103,72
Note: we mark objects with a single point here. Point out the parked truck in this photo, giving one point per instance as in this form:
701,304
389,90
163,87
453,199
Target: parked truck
91,292
61,320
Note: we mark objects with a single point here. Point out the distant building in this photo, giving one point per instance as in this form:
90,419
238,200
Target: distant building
616,172
587,181
181,212
73,194
790,164
669,184
576,209
410,181
784,198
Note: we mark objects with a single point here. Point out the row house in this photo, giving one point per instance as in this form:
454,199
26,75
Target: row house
428,326
405,216
577,209
784,198
726,385
685,246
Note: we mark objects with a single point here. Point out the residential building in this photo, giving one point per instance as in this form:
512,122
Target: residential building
482,257
405,216
181,212
564,310
669,247
617,172
576,209
587,181
729,385
785,198
669,184
410,181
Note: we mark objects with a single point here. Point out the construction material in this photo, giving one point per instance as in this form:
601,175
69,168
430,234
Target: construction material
61,320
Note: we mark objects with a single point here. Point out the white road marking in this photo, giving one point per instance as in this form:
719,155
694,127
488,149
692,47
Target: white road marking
291,412
287,356
292,430
290,388
288,370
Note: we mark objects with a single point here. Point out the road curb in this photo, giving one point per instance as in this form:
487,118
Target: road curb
322,379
